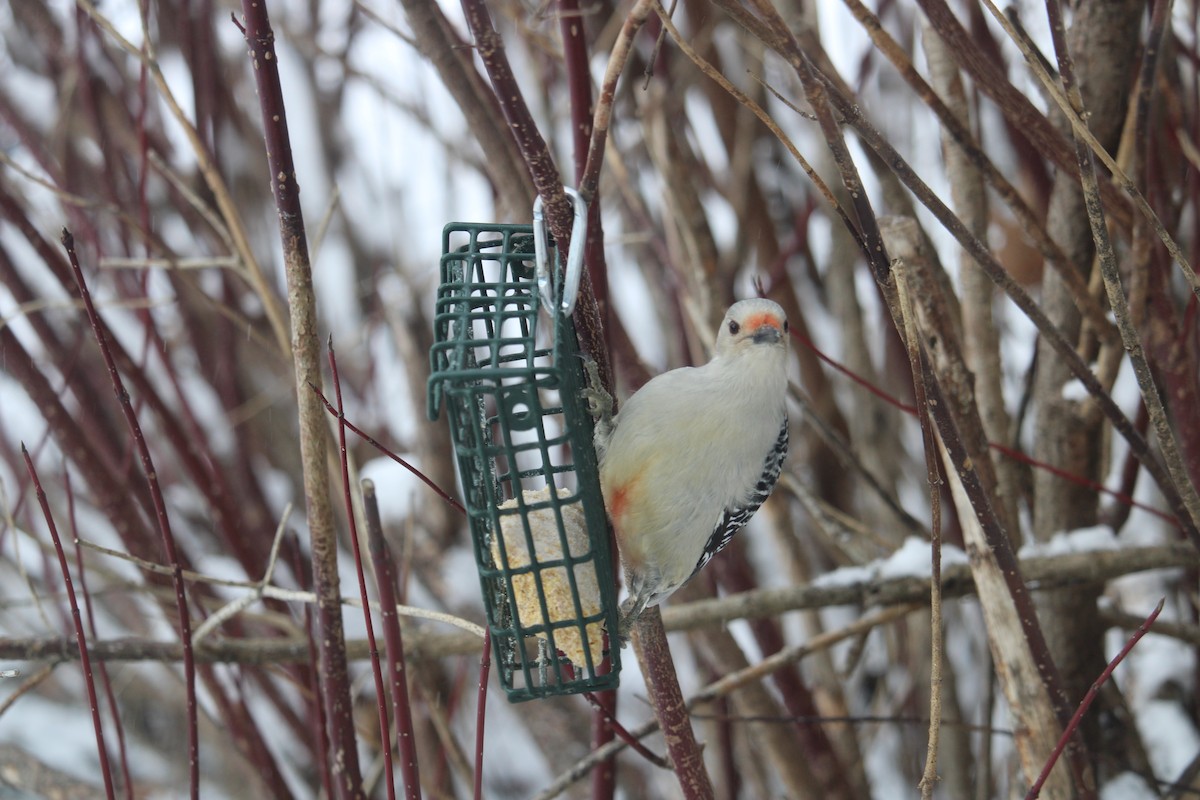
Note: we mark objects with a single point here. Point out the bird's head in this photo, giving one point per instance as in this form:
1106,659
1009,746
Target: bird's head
750,325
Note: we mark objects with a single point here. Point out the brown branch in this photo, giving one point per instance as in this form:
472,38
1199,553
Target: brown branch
594,312
658,667
1040,573
589,183
981,337
306,354
538,160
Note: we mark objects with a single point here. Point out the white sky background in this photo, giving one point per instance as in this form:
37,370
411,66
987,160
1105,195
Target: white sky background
399,190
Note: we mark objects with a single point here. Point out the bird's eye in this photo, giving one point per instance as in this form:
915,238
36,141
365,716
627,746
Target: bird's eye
785,326
734,327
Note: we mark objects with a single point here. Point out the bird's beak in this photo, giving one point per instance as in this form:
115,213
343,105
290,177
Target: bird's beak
765,334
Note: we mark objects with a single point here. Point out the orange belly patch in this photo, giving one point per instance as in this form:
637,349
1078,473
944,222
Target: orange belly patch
618,502
620,498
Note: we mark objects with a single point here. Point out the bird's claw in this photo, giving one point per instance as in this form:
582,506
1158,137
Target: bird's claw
599,402
628,615
600,406
620,638
624,630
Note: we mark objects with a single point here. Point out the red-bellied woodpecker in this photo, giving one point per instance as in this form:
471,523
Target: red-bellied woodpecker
694,453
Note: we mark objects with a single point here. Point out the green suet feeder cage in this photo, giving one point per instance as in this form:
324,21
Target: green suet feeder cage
506,368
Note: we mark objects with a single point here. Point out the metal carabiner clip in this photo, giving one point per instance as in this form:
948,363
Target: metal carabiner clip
574,267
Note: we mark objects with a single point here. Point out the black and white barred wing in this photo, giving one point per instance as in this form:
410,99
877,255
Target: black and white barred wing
734,518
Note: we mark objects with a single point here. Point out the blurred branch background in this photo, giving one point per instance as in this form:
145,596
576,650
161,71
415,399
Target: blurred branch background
734,133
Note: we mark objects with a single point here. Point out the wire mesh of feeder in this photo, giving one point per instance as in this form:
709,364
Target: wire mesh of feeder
506,369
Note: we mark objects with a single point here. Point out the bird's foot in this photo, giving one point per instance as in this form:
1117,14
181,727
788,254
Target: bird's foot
600,405
629,613
620,639
599,402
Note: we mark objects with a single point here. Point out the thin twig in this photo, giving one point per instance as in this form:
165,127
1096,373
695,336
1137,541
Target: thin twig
233,608
385,736
485,666
425,479
196,203
906,314
1086,703
385,582
32,682
101,667
278,593
623,732
160,510
202,262
80,637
